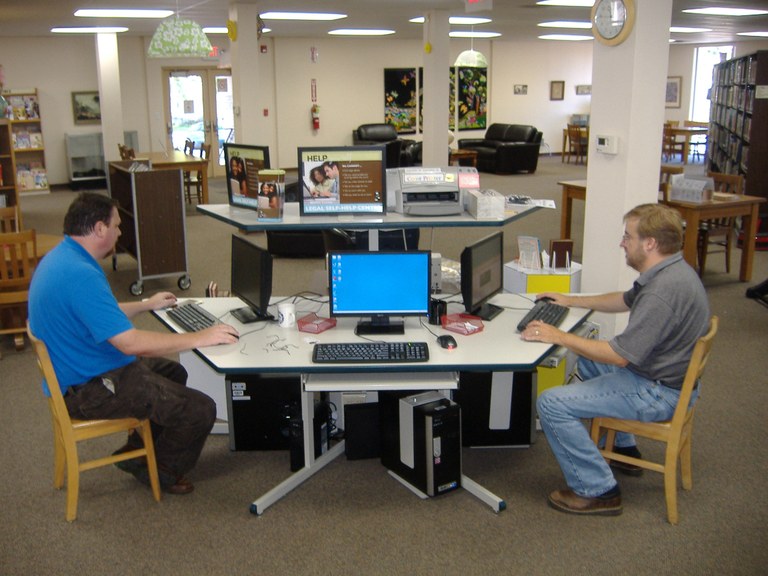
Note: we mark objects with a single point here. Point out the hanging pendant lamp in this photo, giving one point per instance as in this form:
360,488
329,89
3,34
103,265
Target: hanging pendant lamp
179,38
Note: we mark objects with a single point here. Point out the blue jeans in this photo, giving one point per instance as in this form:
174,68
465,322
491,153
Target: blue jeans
605,391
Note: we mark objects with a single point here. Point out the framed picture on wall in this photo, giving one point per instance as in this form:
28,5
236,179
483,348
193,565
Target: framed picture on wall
86,107
674,88
557,90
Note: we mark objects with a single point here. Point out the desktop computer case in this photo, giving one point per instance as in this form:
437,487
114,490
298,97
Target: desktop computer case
436,442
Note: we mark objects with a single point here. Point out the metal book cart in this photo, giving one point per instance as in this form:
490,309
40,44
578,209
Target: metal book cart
153,220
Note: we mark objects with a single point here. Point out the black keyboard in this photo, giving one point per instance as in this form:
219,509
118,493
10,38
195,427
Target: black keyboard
370,352
191,317
546,311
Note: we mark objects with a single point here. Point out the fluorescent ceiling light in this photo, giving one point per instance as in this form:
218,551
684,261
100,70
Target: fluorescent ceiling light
122,13
569,37
466,34
90,30
313,16
360,32
726,11
576,3
684,30
759,34
457,20
566,24
215,29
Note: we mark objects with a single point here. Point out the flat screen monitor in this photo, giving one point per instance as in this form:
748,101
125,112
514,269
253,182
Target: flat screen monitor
342,180
251,280
243,162
482,270
382,286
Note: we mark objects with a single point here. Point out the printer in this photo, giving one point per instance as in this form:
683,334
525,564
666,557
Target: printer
424,191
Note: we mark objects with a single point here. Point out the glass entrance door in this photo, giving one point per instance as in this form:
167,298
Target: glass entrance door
200,109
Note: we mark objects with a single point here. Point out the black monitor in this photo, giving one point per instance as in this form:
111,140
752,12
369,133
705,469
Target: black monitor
243,162
342,180
251,280
379,285
482,271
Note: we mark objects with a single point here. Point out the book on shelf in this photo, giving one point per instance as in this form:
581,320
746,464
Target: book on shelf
35,139
21,140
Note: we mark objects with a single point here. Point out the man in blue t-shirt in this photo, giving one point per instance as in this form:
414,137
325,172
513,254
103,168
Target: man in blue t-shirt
106,367
637,374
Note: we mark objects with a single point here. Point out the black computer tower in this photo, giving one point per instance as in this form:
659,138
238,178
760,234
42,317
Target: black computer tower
497,409
261,410
421,440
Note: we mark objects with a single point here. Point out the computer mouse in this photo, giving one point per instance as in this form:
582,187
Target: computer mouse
447,341
545,299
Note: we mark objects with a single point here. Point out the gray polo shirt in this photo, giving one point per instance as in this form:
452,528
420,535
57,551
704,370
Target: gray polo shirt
669,312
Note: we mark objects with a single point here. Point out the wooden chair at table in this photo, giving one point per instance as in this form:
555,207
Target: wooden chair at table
578,143
666,171
126,152
675,433
196,179
721,231
19,257
10,219
68,432
670,146
189,150
698,142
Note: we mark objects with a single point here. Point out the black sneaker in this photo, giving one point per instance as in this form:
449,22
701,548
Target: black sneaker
623,467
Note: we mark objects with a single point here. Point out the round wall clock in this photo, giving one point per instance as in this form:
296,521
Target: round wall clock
612,20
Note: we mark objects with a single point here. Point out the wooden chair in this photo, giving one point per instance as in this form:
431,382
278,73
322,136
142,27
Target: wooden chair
10,220
721,230
196,179
670,146
578,143
698,143
67,432
675,433
19,256
126,152
189,150
665,172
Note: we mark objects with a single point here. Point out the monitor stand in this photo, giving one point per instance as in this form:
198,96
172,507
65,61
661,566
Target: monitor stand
246,315
380,325
487,311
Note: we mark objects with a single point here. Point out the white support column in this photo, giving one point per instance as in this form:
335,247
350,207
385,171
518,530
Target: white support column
110,99
628,84
436,93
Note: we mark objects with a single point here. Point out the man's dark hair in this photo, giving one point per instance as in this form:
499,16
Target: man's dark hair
86,211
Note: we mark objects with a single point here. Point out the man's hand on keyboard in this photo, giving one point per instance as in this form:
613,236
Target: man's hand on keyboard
538,331
217,334
160,300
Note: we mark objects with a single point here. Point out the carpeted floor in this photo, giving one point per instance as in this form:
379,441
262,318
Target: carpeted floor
352,518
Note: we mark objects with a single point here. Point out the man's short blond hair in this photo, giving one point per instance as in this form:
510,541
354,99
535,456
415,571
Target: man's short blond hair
661,223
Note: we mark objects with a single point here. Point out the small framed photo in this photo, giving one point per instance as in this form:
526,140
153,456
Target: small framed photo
672,98
583,89
557,90
520,89
86,107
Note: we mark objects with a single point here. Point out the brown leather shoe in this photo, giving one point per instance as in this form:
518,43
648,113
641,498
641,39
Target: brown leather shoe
570,502
169,483
180,488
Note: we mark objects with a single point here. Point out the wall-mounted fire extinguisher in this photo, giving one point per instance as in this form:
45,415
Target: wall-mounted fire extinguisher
315,117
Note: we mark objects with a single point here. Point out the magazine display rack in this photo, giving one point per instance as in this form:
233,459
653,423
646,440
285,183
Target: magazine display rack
153,220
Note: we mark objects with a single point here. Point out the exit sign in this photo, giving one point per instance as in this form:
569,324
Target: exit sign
477,5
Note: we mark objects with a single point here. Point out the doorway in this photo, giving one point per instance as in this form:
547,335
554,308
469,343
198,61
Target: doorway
199,108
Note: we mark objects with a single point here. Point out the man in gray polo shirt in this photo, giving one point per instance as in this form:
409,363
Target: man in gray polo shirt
637,374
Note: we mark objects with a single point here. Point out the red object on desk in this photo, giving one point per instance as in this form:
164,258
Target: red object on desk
465,324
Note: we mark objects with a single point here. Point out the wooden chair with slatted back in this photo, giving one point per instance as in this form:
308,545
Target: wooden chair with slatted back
675,433
19,257
68,432
670,146
10,220
196,179
666,171
698,142
189,150
719,232
578,143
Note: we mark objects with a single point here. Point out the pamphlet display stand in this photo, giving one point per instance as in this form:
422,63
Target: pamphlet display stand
153,216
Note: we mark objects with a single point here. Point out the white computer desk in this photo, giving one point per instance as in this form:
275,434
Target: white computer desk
265,348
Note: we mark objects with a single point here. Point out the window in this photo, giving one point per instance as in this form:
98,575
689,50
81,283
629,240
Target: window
705,59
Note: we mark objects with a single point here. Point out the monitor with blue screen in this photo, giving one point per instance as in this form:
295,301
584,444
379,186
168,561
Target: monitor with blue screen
379,285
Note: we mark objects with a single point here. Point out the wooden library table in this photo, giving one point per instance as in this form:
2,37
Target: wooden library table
572,190
177,160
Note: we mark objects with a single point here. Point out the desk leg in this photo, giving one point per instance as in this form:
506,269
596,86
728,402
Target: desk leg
565,215
748,246
488,497
204,191
690,240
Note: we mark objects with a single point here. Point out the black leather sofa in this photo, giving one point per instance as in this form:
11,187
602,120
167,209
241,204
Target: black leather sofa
506,148
400,152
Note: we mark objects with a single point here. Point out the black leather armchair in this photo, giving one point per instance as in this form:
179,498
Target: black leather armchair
400,152
506,148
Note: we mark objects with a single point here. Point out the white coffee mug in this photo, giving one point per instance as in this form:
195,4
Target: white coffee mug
286,315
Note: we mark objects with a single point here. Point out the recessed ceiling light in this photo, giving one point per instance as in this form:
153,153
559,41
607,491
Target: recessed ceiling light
456,20
90,30
576,3
122,13
567,37
215,29
312,16
566,24
471,34
722,11
360,32
685,30
759,34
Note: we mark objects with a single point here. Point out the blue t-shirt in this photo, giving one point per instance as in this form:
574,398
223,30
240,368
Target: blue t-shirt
72,309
